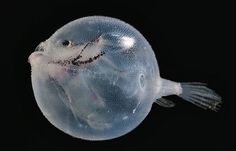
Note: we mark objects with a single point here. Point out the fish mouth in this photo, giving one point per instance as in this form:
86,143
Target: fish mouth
37,54
34,57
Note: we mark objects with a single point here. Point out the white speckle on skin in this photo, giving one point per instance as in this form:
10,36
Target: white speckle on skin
127,41
134,110
125,117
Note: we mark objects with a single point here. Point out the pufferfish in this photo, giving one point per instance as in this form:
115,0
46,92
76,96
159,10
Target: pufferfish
97,77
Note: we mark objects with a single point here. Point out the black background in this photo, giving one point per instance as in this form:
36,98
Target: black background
192,40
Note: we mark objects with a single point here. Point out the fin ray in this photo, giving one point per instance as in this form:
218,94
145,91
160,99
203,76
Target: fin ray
164,102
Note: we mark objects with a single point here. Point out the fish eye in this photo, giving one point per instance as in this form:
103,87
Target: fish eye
66,43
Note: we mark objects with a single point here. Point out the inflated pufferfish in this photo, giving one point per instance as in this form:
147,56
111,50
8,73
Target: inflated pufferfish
96,78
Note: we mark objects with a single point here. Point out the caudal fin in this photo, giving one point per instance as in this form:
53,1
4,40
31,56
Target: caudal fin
200,95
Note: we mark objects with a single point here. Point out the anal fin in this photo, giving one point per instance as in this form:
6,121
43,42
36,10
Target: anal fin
165,103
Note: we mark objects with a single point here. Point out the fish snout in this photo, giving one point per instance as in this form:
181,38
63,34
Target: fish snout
40,47
34,57
37,54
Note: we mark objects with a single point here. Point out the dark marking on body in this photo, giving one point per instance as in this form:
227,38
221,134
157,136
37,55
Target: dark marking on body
77,60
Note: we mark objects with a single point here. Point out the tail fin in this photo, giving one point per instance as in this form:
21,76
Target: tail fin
200,95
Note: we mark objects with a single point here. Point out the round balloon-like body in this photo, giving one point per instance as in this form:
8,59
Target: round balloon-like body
95,78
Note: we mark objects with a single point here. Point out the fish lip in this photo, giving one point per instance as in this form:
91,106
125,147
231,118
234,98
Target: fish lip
38,51
34,56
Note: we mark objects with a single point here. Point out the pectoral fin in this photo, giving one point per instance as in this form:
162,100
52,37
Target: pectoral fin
165,103
64,97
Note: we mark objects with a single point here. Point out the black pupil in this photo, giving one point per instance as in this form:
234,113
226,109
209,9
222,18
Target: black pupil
65,43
